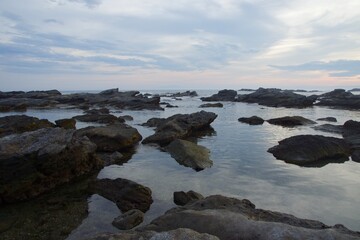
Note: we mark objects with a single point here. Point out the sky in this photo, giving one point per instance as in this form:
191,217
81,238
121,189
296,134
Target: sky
182,44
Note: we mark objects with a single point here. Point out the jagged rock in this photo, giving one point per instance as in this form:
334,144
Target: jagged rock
189,154
339,98
126,194
66,123
110,158
254,120
311,149
223,95
177,234
129,220
330,128
99,118
273,97
178,126
328,119
290,121
182,198
112,138
34,162
232,219
21,123
209,105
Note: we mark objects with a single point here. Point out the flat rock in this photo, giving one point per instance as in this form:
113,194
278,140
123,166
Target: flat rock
254,120
178,126
34,162
211,105
126,194
223,95
327,119
129,220
112,138
98,118
182,198
232,219
22,123
189,154
291,121
66,123
311,149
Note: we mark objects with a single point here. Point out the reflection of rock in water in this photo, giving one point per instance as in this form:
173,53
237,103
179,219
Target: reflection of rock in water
51,216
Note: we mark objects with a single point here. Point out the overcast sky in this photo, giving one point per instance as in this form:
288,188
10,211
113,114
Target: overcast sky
182,44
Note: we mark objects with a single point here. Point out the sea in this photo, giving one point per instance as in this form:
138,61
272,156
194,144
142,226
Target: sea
242,167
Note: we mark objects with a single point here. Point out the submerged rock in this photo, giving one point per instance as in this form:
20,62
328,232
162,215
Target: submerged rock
223,95
189,154
290,121
178,126
34,162
126,194
254,120
99,118
330,128
21,123
230,218
210,105
182,198
113,137
311,149
129,220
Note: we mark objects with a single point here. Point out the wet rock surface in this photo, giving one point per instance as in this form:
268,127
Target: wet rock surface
223,95
290,121
126,194
330,128
211,105
182,198
129,220
254,120
178,126
111,158
230,218
311,149
190,154
99,118
66,123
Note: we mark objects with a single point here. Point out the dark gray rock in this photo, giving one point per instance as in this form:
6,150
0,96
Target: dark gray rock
34,162
210,105
232,219
273,97
126,194
112,138
189,154
290,121
99,118
311,150
351,134
98,111
254,120
223,95
129,220
66,123
339,98
170,106
127,117
111,158
181,94
22,123
178,126
182,198
327,119
330,128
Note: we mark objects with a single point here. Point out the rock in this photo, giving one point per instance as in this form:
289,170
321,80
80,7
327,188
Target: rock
339,98
330,128
127,118
109,91
247,90
21,123
177,234
223,95
354,90
182,198
34,162
66,123
254,120
209,105
273,97
98,118
328,119
110,158
311,149
98,111
230,218
178,126
290,121
126,194
181,94
170,106
129,220
21,104
351,134
189,154
112,138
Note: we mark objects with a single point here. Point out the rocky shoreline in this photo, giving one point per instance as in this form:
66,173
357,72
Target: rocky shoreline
38,157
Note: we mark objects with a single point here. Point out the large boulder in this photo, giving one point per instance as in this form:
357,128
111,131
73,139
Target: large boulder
189,154
222,95
254,120
178,126
351,134
126,194
34,162
273,97
311,150
112,138
232,219
339,98
22,123
290,121
182,198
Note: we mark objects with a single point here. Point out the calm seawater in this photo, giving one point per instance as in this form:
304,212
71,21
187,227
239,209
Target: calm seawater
242,166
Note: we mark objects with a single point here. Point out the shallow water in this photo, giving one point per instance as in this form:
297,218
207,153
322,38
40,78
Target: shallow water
242,167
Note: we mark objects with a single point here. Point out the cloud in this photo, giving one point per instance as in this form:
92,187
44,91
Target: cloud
50,20
88,3
338,68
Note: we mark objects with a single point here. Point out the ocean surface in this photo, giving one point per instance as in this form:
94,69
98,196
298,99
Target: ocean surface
242,166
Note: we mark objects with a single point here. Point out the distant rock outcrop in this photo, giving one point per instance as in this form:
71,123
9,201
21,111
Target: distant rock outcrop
339,98
290,121
223,95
